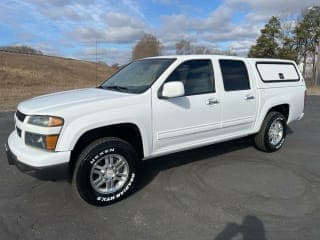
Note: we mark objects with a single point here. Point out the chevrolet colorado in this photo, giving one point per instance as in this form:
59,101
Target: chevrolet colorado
152,107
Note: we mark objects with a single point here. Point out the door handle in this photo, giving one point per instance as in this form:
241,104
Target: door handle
212,101
249,97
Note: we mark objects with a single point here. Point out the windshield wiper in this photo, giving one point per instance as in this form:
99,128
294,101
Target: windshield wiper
115,87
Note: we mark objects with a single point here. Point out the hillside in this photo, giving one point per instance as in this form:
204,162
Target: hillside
23,76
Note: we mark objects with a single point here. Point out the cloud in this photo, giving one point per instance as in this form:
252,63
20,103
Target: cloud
232,32
216,28
219,18
119,20
119,24
64,10
87,34
241,47
217,21
52,2
59,3
65,13
272,6
219,28
26,36
134,7
257,17
258,12
123,35
116,28
166,2
47,49
105,54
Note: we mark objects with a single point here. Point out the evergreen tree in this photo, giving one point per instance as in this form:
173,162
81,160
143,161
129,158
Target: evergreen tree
288,51
267,45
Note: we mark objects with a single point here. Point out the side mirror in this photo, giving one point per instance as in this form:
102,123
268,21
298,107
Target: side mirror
172,89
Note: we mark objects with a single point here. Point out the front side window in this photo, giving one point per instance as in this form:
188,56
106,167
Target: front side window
137,76
235,75
196,75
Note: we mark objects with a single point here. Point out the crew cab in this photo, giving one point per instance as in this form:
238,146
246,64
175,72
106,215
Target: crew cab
153,107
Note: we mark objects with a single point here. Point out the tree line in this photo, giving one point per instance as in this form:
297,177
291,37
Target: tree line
295,39
21,49
149,46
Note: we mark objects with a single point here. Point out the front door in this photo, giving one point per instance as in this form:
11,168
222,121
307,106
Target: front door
193,118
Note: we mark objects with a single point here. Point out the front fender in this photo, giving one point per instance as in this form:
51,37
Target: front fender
137,115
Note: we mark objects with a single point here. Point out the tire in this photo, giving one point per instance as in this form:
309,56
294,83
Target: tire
262,139
97,178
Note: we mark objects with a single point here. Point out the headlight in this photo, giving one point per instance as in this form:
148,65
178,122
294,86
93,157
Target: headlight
46,121
47,142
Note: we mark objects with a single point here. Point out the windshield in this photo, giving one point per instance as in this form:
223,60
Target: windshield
138,76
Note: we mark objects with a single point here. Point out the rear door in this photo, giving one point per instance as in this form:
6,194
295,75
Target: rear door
239,97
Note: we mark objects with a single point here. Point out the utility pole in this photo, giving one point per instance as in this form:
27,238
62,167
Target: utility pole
96,62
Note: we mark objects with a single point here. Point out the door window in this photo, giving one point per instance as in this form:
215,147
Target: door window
196,75
235,75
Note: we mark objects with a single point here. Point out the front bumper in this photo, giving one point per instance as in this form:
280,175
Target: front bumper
28,157
12,159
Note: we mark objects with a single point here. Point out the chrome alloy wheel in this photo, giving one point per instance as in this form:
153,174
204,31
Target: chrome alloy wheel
275,133
109,173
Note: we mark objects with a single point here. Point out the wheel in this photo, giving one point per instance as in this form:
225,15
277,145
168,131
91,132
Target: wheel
105,171
272,133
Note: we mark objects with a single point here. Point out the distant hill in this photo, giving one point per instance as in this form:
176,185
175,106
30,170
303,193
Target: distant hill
23,76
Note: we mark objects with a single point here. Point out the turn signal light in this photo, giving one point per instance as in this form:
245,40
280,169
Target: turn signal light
55,121
51,142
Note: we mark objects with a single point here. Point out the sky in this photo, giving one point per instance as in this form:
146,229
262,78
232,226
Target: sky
110,28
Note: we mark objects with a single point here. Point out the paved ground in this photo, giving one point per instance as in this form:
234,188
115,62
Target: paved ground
216,192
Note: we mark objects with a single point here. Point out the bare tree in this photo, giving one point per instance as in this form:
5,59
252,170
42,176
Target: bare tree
184,47
201,50
317,73
307,34
148,46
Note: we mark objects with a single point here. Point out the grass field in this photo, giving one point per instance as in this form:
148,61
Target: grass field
313,90
24,76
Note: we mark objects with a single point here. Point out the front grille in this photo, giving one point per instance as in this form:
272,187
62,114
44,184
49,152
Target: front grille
18,131
20,116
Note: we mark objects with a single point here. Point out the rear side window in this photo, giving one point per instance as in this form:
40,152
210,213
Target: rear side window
235,75
196,75
277,72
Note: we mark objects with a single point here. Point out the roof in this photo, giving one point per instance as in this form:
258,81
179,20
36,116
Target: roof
200,56
196,56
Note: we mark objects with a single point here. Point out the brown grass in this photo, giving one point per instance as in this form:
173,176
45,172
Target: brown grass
25,76
313,90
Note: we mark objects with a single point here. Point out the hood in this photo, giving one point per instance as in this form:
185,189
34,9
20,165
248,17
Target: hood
62,100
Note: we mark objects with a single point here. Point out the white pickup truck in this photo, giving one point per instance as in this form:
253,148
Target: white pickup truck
152,107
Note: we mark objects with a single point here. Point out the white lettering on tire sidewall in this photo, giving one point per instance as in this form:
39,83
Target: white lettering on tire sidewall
119,194
97,156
